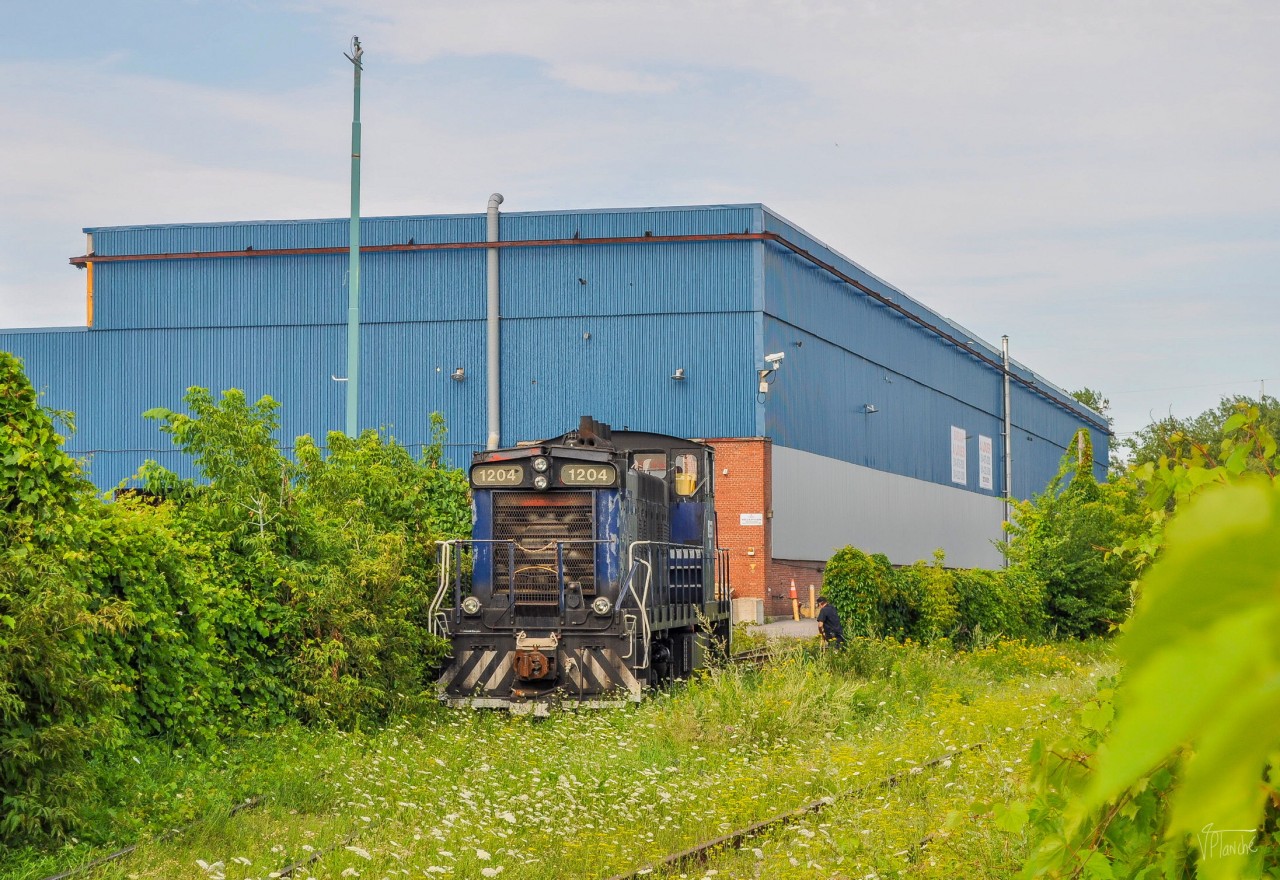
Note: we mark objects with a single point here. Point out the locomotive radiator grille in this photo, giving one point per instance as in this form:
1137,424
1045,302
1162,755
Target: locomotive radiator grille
540,523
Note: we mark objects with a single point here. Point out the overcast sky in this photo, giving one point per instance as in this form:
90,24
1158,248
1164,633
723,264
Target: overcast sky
1098,180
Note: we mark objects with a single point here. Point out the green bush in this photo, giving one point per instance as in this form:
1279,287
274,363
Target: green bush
862,590
996,603
58,698
926,601
326,563
187,610
173,660
1064,537
933,596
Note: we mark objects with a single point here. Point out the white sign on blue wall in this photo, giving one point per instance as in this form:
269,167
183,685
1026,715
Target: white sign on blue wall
959,463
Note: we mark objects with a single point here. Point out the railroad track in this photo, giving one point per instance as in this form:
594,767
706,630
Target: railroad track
696,854
702,852
753,656
247,804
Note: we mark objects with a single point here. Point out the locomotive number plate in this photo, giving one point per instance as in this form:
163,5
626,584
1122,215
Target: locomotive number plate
588,475
497,475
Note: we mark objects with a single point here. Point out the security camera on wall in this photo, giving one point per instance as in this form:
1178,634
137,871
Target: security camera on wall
775,358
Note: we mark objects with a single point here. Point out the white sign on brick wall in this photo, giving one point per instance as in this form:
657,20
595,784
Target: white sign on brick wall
751,519
959,463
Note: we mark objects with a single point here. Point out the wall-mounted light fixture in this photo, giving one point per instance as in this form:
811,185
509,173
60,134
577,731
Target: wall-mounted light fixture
678,375
458,375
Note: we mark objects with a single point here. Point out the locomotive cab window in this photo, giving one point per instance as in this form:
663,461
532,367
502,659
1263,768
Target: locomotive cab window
686,480
652,463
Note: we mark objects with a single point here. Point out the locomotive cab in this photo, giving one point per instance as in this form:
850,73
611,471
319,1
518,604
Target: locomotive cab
591,574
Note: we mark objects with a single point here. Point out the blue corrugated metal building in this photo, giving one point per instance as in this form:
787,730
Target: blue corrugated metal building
890,410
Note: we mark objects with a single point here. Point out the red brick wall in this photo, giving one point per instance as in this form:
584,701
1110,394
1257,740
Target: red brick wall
748,488
805,572
744,484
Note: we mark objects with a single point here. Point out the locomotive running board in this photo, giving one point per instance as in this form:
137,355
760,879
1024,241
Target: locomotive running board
536,708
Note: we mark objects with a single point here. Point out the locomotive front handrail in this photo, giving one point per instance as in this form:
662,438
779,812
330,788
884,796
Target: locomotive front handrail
449,559
642,603
437,621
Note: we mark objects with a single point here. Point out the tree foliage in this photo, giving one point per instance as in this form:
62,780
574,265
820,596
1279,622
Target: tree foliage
1064,536
57,701
1174,771
264,589
1172,438
1096,401
927,601
326,563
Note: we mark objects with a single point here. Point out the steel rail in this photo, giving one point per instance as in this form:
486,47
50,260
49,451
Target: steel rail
247,804
702,852
293,867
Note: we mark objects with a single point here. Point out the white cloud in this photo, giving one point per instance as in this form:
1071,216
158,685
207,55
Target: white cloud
1017,166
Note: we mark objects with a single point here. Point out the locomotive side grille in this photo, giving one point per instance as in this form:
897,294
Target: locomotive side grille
537,522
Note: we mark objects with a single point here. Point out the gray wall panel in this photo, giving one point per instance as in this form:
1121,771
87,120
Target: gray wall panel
878,512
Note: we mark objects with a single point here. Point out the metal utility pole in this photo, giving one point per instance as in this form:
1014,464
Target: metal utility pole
353,271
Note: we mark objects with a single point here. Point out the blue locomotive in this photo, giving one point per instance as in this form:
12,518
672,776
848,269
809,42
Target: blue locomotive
592,572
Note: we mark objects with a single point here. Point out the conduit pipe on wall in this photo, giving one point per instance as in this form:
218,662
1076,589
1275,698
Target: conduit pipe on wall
494,316
1008,445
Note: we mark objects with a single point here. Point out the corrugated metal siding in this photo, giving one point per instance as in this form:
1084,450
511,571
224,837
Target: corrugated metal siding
427,285
234,292
628,222
919,383
797,236
277,234
804,296
108,379
277,325
818,399
622,375
625,279
420,286
404,372
220,293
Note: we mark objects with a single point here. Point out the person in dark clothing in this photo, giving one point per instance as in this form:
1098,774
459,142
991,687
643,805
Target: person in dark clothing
829,626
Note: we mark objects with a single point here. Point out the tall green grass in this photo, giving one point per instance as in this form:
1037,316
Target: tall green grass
583,793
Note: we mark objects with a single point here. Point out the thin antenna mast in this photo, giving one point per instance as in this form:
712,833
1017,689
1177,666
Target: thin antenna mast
353,271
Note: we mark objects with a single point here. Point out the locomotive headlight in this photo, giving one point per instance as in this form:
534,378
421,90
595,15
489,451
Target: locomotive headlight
602,605
471,605
540,465
541,481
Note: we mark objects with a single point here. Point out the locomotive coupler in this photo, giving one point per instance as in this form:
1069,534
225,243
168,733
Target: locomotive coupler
534,658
